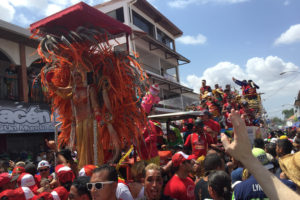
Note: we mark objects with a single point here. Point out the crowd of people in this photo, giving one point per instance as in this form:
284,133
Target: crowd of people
192,160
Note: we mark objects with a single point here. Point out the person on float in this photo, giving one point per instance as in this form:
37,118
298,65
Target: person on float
199,141
148,147
85,110
204,88
218,94
211,127
213,106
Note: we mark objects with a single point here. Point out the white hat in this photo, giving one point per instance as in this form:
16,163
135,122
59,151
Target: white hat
274,140
43,163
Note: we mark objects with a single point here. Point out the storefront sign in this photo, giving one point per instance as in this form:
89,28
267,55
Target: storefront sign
25,119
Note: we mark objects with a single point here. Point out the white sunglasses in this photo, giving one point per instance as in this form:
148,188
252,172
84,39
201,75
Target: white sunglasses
97,185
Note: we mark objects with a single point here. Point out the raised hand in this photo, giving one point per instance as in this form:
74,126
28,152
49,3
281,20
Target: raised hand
240,148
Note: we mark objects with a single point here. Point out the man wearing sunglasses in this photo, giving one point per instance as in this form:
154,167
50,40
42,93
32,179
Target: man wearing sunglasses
103,183
44,172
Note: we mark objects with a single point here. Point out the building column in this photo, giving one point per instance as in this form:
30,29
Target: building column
24,84
177,74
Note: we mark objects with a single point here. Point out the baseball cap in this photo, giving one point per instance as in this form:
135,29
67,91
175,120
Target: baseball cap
64,173
7,193
44,195
283,137
21,193
180,157
4,178
27,180
274,140
60,193
18,170
261,155
43,163
87,170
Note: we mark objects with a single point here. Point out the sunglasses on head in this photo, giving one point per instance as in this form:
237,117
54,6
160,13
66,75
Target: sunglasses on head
97,185
43,170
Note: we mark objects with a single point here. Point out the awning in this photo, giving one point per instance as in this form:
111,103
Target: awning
160,80
155,44
17,34
176,116
77,15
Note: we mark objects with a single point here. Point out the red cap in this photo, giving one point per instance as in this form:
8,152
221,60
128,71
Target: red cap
44,195
4,178
60,193
64,173
18,170
22,193
7,193
180,157
87,170
27,180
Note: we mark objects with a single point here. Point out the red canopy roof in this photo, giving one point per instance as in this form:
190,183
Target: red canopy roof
77,15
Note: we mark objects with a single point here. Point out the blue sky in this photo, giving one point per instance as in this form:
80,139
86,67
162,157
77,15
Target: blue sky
247,39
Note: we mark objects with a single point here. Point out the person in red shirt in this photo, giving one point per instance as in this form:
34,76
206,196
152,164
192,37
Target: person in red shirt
180,186
211,127
204,88
213,107
149,151
44,172
228,123
202,106
247,113
199,141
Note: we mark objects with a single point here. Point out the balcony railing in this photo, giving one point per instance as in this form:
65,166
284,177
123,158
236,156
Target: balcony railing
158,72
9,90
35,91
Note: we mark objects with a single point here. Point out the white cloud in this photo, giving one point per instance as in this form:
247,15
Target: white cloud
7,11
30,4
23,20
193,40
290,36
184,3
43,7
53,8
278,89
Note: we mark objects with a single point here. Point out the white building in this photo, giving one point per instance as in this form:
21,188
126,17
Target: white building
153,39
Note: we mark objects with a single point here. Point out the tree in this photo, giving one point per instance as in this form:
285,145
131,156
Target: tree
277,121
288,113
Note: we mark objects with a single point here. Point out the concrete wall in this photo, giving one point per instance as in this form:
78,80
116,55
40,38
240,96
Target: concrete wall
11,49
31,55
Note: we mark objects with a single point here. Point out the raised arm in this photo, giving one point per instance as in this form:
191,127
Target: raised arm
65,93
240,83
240,149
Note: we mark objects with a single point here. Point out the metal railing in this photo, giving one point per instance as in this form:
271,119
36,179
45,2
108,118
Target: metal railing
4,93
167,76
35,93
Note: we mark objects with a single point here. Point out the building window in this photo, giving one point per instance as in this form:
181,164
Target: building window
117,14
9,78
36,91
143,24
162,37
